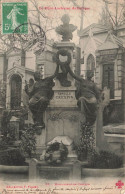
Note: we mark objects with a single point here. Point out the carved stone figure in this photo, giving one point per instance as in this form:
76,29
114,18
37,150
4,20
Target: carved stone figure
88,95
40,94
66,29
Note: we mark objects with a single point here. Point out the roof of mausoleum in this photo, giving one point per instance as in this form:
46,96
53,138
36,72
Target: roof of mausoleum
93,41
111,42
96,28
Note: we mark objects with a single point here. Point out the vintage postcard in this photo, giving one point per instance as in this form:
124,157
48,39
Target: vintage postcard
62,96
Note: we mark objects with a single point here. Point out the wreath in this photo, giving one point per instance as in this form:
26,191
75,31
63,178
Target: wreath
63,53
56,153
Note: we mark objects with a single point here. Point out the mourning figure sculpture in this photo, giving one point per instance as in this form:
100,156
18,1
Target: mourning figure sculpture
66,29
88,95
40,94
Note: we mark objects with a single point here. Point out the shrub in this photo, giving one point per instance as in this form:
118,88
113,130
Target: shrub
105,160
56,153
27,133
3,144
12,157
5,120
87,142
28,140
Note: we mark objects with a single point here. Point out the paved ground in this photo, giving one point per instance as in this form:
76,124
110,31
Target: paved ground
13,177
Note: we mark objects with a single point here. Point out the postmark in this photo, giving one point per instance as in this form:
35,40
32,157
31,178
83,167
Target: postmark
13,15
34,40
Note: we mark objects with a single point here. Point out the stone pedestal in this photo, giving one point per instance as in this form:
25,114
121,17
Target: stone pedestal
63,115
63,96
67,171
41,142
62,121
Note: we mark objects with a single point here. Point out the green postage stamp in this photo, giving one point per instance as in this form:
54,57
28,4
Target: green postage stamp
13,15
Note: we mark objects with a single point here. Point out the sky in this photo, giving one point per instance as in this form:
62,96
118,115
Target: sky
92,9
52,17
92,12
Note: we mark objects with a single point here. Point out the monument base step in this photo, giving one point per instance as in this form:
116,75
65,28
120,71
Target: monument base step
66,171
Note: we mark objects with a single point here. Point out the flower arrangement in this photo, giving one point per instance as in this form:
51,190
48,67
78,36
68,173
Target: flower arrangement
56,153
28,140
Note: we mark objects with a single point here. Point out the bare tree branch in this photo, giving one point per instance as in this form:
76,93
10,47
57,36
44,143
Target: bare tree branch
35,5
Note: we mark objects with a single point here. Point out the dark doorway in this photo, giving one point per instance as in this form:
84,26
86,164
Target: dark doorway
108,78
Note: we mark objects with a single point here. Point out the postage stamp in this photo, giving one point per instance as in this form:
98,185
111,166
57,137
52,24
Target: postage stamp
13,15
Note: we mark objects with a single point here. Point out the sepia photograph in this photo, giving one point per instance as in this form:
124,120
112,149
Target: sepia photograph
62,96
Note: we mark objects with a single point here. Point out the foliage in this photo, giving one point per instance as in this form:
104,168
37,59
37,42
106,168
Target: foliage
11,157
28,140
87,142
102,159
7,128
5,119
2,93
105,160
27,133
3,143
113,14
56,153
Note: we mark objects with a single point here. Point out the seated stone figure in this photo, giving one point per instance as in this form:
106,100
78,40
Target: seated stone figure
88,95
40,94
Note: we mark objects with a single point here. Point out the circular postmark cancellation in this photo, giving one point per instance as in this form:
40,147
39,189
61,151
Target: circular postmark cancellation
35,39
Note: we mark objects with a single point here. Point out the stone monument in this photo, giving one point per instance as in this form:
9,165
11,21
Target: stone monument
62,115
69,106
66,110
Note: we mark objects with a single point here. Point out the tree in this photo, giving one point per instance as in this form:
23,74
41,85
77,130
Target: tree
113,15
82,12
37,21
